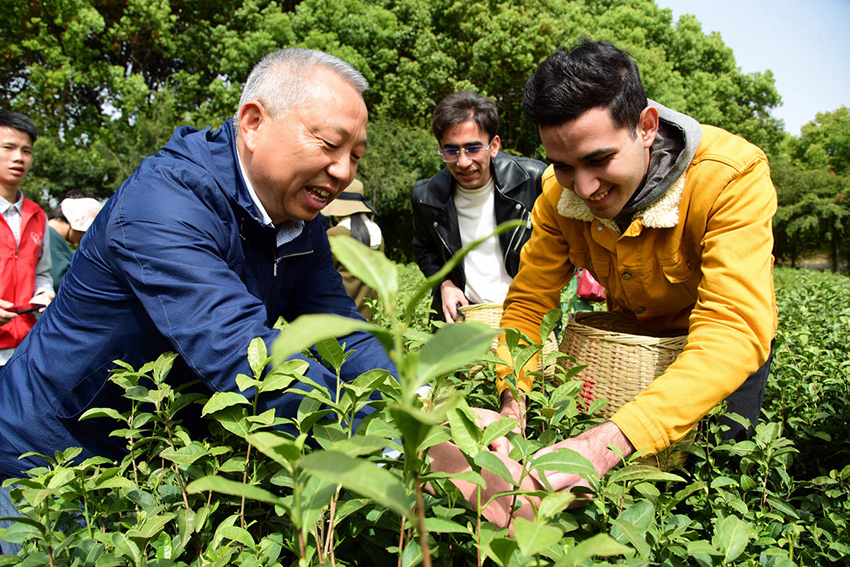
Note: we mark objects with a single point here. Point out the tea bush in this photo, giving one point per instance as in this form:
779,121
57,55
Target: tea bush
255,489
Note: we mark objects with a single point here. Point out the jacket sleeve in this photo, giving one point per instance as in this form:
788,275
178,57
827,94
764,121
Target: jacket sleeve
43,279
171,248
734,319
427,250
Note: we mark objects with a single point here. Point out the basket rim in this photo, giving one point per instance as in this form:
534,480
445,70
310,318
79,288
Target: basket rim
619,337
479,307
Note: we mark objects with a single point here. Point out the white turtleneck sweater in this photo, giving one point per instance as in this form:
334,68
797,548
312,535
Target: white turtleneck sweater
487,280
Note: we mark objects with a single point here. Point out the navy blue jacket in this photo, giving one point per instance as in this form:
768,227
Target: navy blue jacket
178,259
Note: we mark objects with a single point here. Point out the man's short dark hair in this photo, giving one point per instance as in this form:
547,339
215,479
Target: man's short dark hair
593,74
18,121
462,106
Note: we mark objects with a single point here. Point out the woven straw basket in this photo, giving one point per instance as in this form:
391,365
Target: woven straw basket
491,315
622,358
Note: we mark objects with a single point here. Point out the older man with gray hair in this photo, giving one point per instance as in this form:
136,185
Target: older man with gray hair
206,245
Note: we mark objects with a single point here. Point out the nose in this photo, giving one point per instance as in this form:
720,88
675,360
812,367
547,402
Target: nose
342,169
585,184
463,160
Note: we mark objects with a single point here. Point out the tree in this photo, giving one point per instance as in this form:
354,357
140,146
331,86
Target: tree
825,142
813,214
107,81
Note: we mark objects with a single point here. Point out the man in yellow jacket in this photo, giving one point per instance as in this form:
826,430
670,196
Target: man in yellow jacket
674,219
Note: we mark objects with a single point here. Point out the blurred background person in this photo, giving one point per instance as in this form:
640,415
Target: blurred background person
352,215
67,224
24,254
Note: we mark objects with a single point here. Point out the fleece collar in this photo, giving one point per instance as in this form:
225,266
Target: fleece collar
663,213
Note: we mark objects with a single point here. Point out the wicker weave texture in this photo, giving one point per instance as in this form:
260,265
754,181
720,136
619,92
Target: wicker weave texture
622,358
620,364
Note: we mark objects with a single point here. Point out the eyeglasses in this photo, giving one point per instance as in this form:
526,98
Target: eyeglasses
451,155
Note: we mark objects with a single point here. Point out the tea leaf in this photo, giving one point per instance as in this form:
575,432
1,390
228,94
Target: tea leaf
488,461
280,449
465,432
498,429
444,526
257,356
566,461
369,266
359,476
734,536
452,347
554,504
222,400
239,535
127,547
533,537
224,486
307,330
331,352
600,544
185,455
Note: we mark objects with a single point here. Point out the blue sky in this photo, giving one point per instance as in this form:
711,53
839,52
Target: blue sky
806,43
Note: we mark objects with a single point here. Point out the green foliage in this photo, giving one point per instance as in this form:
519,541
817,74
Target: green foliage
813,215
825,142
108,81
320,492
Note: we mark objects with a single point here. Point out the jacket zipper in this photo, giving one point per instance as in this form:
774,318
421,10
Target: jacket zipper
293,255
519,232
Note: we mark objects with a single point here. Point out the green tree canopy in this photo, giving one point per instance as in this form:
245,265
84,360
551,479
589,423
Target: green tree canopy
107,81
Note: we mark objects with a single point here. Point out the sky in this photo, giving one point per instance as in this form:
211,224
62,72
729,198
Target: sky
806,43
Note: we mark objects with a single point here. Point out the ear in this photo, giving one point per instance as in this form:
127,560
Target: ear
647,127
495,144
252,115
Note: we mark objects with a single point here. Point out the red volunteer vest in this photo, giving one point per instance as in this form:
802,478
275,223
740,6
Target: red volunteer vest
17,269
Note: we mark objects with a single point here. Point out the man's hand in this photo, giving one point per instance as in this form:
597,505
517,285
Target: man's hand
510,408
593,446
6,316
451,296
43,298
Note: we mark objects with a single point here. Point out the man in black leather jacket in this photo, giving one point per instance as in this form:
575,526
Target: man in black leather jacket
479,189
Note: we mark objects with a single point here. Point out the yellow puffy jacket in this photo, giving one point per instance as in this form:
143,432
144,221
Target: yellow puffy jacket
699,259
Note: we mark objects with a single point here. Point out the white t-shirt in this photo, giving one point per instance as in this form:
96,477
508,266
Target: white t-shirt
487,281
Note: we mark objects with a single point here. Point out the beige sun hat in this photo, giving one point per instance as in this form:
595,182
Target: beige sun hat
349,202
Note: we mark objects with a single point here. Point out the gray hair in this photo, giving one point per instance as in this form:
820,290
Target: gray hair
279,81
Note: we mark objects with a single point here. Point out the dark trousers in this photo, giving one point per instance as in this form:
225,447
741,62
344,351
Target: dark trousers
746,401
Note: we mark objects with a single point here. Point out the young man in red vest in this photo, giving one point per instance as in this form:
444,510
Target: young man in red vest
24,254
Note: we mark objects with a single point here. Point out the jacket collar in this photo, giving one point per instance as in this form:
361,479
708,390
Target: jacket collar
664,213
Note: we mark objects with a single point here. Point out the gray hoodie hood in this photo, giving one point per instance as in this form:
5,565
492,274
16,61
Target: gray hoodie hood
672,151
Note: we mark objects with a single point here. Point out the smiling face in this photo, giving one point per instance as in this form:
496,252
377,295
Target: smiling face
15,160
599,161
470,173
301,161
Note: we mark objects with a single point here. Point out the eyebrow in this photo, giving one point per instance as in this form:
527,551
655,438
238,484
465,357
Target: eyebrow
587,157
596,153
464,145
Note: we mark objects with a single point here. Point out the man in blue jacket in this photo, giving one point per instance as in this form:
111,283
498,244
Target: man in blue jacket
201,250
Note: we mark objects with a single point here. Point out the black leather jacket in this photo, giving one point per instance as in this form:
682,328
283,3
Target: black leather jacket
436,236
